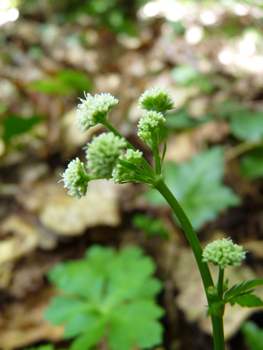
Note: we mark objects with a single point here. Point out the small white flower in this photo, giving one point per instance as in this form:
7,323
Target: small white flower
103,153
94,110
76,179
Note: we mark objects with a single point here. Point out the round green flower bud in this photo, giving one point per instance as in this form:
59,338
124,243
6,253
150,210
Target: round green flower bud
76,179
224,253
122,174
148,124
93,110
103,153
157,99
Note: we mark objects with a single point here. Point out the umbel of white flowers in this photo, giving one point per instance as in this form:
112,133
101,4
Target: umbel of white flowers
76,179
104,153
224,253
94,110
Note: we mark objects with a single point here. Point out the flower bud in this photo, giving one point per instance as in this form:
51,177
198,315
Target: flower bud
76,179
122,174
148,124
157,99
224,253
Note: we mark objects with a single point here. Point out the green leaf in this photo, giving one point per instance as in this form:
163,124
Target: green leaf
181,120
62,308
242,287
51,86
151,226
89,338
80,322
66,82
253,335
98,256
135,320
149,334
184,74
99,289
252,164
197,185
248,126
42,347
248,300
130,262
77,80
16,125
79,277
187,75
230,108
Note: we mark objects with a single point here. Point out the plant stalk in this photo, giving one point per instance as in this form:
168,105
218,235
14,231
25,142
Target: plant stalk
217,320
220,283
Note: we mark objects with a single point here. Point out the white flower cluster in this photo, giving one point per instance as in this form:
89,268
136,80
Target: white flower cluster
94,110
122,174
147,126
103,154
157,99
224,253
76,179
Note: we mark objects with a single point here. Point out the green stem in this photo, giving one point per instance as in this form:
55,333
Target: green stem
217,320
218,332
144,163
220,282
134,168
157,160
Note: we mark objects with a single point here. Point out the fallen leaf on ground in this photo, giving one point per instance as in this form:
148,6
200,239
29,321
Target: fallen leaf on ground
24,239
68,217
22,322
62,214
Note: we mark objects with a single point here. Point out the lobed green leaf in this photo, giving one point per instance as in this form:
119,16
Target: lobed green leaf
248,300
108,291
80,322
62,308
89,338
134,324
242,287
